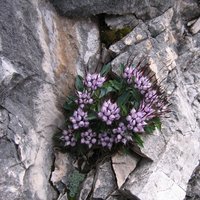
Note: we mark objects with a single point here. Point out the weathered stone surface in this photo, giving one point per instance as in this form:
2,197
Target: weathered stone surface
116,195
12,171
193,190
144,9
63,197
88,43
150,140
62,169
174,150
105,182
87,186
134,37
195,27
38,62
40,53
123,165
119,22
188,9
161,23
4,121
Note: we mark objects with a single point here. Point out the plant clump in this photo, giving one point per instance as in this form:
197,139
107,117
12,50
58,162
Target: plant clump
110,111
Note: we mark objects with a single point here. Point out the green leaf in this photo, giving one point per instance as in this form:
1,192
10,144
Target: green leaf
105,90
149,129
122,66
105,69
157,123
102,92
69,106
116,84
135,94
124,110
125,150
92,116
77,136
79,83
152,125
71,98
135,104
123,99
138,139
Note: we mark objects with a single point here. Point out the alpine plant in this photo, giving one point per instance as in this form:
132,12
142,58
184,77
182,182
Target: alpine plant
110,110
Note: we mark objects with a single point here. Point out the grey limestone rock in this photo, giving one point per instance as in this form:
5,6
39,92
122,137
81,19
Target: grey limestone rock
144,9
123,166
195,27
105,182
38,62
40,54
175,150
119,22
62,169
87,186
193,190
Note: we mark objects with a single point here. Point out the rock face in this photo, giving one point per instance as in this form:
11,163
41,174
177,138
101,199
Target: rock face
193,191
88,8
174,151
123,165
40,54
141,9
38,61
105,182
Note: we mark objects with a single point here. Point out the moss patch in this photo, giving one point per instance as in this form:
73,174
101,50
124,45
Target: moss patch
110,36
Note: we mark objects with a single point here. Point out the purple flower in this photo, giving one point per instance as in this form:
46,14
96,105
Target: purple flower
109,112
68,137
120,134
84,98
151,97
128,74
136,120
161,107
120,129
106,140
141,82
148,109
89,138
79,119
94,81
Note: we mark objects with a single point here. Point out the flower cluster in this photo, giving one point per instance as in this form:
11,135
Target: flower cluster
148,110
136,120
120,129
151,97
128,74
142,83
68,137
79,119
94,81
89,138
109,112
84,98
120,134
118,108
106,140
